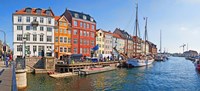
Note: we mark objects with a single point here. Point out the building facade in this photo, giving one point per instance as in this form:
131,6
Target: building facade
108,44
33,31
119,43
128,48
100,41
83,32
62,33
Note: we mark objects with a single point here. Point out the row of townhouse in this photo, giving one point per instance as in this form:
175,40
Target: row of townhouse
123,42
36,30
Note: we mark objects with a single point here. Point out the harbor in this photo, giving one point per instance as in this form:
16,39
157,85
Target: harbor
162,75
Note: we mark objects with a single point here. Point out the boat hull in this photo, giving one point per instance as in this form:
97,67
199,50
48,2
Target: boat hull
139,62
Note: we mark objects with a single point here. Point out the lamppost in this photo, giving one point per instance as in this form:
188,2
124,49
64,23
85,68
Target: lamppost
4,47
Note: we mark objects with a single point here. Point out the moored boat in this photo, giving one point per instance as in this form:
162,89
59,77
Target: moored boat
96,70
61,75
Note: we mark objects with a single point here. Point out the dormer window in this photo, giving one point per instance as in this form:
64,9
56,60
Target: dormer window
84,17
76,15
48,12
28,10
38,11
91,19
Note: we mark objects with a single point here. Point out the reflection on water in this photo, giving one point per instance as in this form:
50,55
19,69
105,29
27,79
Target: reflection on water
174,74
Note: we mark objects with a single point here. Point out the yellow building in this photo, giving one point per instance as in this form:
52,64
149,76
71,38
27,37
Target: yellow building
100,41
62,35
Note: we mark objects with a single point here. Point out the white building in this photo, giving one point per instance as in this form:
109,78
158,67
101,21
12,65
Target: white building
33,27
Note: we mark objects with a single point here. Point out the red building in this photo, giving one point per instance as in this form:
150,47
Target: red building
83,32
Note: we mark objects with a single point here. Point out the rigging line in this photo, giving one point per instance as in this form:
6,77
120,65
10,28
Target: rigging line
127,26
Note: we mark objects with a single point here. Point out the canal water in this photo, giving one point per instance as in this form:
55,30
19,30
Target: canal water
173,74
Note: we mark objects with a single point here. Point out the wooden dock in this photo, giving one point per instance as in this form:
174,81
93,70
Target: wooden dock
84,65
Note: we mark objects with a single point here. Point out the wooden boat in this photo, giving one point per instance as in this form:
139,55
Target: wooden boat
61,75
96,70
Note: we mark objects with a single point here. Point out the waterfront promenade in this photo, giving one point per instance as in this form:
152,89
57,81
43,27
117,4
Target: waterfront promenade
5,77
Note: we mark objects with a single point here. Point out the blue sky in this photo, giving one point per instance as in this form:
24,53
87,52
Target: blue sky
179,20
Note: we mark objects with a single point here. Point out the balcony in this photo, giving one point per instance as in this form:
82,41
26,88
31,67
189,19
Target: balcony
34,23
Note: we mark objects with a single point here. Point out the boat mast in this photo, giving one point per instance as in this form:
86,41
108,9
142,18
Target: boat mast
160,41
145,35
136,27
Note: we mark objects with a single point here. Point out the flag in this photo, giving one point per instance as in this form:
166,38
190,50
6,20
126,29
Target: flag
95,48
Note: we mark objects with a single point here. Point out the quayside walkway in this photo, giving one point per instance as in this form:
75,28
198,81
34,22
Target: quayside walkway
7,78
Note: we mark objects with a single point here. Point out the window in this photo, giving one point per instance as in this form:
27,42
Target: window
88,34
69,49
27,19
56,39
80,33
75,32
56,23
49,20
69,40
41,28
40,48
75,23
65,24
81,24
92,27
60,30
19,37
41,20
56,30
49,38
34,37
48,12
35,18
65,31
28,48
84,25
88,26
81,41
61,49
19,48
85,42
28,27
34,49
92,42
49,29
65,49
61,39
65,39
41,37
34,28
28,10
48,47
38,11
84,33
76,15
19,27
80,50
92,34
69,31
19,19
84,17
60,23
75,41
75,50
28,37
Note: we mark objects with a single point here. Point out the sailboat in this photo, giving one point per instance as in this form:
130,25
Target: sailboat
141,60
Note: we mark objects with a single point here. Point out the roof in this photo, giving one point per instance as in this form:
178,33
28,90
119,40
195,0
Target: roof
116,35
125,34
33,11
80,15
57,18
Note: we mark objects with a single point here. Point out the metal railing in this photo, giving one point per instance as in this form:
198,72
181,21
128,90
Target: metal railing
14,82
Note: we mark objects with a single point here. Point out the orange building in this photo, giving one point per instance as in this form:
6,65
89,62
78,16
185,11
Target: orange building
62,35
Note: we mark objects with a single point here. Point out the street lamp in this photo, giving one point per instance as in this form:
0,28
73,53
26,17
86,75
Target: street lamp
4,47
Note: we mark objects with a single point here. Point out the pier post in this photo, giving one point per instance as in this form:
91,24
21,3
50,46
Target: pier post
21,76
